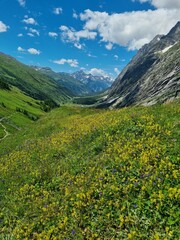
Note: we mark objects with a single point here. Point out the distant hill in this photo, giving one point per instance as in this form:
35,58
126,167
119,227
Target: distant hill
33,83
153,75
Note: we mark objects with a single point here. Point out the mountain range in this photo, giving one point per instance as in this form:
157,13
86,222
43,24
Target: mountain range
64,80
80,83
94,83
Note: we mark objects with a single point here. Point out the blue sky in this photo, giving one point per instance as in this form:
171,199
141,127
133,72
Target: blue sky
99,36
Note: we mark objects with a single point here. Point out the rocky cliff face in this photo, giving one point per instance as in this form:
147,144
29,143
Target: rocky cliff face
153,75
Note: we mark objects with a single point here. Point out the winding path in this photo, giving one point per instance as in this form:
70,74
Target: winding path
4,127
5,131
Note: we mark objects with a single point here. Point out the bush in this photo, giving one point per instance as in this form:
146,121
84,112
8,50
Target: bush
48,104
4,86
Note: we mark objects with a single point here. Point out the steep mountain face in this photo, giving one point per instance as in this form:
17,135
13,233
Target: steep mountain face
65,80
93,83
30,81
153,75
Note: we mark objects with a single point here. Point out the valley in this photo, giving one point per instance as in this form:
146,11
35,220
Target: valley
86,157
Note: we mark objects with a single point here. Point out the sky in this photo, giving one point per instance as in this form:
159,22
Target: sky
97,36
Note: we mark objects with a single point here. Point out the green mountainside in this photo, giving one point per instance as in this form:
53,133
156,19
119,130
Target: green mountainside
32,82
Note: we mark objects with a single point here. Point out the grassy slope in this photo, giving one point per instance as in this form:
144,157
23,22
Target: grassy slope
30,80
91,174
13,120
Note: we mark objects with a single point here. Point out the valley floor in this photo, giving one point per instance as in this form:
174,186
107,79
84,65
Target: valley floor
80,173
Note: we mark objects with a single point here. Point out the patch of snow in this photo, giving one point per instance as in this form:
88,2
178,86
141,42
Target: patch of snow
105,97
167,48
119,100
112,100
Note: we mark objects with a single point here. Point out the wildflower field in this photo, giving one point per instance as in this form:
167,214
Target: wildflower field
80,173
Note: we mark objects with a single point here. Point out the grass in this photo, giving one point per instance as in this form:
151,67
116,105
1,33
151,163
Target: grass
88,100
14,120
82,173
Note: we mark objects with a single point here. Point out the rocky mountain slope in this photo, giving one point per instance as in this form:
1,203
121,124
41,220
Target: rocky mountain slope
153,75
93,83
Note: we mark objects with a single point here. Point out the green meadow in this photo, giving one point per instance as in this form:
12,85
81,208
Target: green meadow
81,173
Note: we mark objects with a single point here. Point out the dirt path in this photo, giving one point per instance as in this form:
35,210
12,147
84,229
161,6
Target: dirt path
5,131
4,127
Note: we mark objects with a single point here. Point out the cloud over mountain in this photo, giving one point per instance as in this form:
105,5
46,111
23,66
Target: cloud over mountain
97,72
71,62
119,28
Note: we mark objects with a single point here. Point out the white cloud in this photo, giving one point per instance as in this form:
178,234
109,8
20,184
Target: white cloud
30,50
109,46
116,70
20,35
57,11
78,45
130,29
75,15
63,28
20,49
141,1
34,31
52,34
22,2
34,51
90,55
3,27
168,4
71,62
30,21
70,35
97,72
116,57
30,35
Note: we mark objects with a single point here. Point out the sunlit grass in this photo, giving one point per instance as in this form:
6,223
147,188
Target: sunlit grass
91,174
